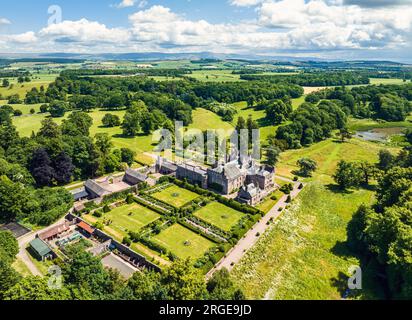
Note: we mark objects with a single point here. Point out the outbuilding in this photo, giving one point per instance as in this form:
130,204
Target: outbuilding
41,250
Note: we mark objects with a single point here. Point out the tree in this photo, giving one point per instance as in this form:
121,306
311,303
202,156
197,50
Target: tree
35,288
306,166
49,129
386,160
131,122
408,135
40,167
44,108
278,111
8,277
115,101
5,83
9,247
344,133
182,281
103,143
147,286
77,124
272,155
221,287
63,168
127,155
241,124
58,109
13,198
367,171
347,175
110,120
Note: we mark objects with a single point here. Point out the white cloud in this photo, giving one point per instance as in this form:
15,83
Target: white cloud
4,21
126,4
282,25
83,31
245,3
23,38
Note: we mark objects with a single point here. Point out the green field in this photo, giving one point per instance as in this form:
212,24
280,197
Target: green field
378,81
302,256
183,242
215,76
22,88
175,196
131,217
204,119
219,215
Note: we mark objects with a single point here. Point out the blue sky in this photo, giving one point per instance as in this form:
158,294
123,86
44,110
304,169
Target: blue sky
338,29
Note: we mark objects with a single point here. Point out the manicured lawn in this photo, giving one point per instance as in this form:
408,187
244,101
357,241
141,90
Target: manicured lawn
183,242
175,196
219,215
131,217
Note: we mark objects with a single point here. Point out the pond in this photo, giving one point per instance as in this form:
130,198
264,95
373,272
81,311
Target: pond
378,134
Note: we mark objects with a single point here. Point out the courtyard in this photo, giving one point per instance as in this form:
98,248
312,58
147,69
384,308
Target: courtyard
183,242
219,215
175,196
130,217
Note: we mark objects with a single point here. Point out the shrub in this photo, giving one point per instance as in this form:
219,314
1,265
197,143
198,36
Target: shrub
32,111
289,199
129,199
127,241
301,186
98,213
17,113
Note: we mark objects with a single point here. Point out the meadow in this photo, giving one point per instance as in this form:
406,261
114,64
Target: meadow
302,255
183,242
131,217
219,215
175,196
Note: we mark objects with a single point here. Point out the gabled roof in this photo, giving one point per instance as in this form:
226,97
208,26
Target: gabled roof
41,248
135,174
54,231
248,192
95,188
83,225
79,193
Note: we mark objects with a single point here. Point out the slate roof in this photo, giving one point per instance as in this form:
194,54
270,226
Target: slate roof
248,192
230,170
79,193
135,174
95,188
41,248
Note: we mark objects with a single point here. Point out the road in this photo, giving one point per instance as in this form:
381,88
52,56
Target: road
252,236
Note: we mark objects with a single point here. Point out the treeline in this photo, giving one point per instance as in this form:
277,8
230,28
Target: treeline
13,73
73,73
175,99
386,102
85,278
313,79
382,233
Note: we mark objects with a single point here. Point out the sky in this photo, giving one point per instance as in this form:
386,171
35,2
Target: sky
332,29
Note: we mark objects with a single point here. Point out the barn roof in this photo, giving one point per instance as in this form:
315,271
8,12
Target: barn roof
95,188
41,248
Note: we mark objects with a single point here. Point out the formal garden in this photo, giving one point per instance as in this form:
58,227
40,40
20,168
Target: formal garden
172,220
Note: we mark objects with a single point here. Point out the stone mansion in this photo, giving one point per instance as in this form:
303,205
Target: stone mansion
252,182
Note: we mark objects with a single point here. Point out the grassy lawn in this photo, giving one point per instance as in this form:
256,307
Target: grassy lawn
175,196
219,215
21,267
369,124
302,256
378,81
204,119
131,217
183,242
